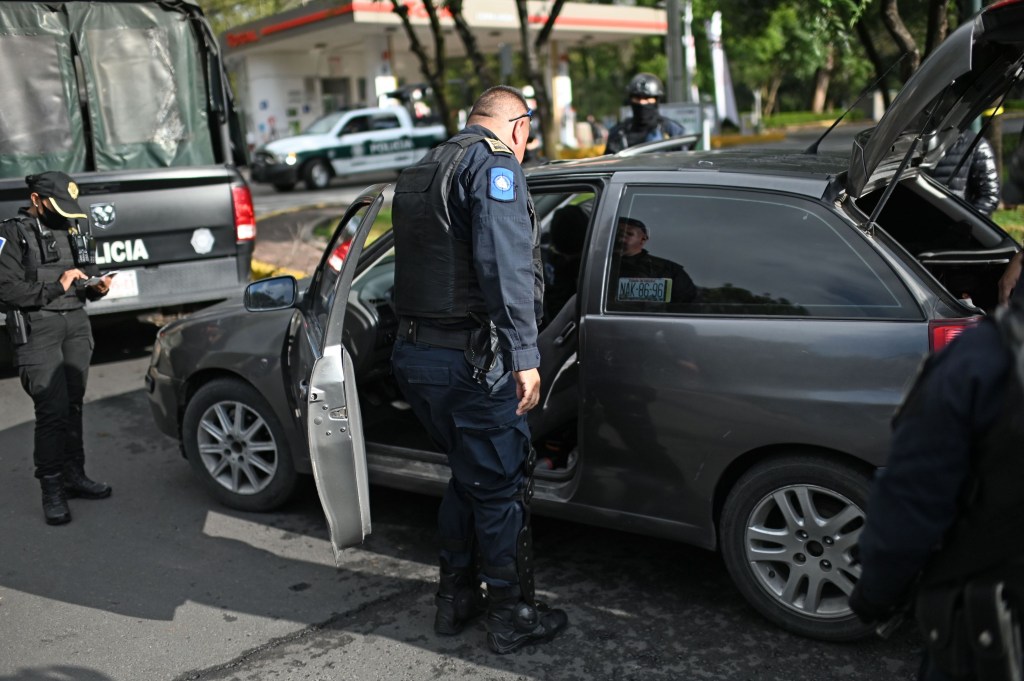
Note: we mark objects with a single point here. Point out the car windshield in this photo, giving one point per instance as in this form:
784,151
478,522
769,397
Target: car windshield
324,124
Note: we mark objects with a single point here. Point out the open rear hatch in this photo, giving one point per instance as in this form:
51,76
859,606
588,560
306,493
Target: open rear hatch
974,67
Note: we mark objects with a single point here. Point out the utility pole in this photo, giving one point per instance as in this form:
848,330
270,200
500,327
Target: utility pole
674,52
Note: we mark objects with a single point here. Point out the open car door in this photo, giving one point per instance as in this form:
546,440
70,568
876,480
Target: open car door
333,422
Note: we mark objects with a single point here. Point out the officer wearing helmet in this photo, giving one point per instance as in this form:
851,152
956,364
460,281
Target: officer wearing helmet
646,124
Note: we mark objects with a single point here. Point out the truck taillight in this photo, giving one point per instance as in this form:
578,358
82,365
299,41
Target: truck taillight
245,214
941,332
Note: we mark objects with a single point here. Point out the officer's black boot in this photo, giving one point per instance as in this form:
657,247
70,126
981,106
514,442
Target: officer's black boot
513,623
55,504
459,599
77,484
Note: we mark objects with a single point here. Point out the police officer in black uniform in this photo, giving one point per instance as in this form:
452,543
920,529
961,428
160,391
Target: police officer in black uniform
946,509
468,291
646,124
46,260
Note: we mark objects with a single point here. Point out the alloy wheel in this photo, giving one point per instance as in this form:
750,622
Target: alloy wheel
237,447
798,544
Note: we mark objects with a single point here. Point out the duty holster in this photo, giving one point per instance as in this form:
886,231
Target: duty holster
17,326
482,350
971,630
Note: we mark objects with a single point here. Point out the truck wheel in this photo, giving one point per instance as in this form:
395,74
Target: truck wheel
787,533
317,174
237,447
284,186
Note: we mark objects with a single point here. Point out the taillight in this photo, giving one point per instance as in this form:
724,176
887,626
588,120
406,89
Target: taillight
338,255
941,332
245,214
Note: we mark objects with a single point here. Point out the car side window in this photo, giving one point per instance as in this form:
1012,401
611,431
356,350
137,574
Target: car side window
723,252
323,287
354,125
386,122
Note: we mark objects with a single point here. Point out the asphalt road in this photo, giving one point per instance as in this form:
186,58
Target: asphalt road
159,582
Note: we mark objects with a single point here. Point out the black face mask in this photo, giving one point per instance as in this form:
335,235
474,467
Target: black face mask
53,220
645,115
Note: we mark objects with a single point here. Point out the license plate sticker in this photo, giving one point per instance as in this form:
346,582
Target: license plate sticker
125,284
644,290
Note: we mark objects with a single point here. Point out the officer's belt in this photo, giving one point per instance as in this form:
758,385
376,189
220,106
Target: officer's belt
413,331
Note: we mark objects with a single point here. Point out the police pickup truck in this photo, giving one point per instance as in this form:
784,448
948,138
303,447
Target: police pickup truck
345,143
131,99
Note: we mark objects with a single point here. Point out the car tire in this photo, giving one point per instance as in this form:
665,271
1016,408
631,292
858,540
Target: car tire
284,186
237,447
787,532
317,174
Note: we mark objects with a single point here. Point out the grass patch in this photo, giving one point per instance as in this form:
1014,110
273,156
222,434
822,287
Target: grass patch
787,118
1012,221
325,228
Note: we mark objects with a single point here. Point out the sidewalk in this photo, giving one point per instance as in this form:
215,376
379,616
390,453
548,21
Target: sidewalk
285,243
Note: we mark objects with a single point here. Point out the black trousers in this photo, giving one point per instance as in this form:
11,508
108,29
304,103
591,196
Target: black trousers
487,445
54,367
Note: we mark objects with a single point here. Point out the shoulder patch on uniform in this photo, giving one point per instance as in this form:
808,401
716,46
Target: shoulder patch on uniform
497,146
3,242
501,185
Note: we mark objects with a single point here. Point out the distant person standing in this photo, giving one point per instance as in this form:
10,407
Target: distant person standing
46,261
977,180
646,124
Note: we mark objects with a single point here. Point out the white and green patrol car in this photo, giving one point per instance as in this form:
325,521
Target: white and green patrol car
345,143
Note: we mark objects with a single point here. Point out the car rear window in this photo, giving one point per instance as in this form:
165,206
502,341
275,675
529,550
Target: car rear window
683,250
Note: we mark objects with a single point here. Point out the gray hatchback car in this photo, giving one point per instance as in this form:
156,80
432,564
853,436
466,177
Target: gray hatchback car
734,395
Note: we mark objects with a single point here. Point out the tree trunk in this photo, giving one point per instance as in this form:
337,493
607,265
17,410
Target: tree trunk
876,60
469,42
435,74
531,65
772,94
938,25
822,78
904,40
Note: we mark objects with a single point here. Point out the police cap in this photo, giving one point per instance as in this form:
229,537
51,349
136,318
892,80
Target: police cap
60,189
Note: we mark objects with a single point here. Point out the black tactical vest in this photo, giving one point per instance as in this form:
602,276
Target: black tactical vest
986,533
434,275
36,268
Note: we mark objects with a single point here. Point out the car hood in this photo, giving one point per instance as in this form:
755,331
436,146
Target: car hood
298,144
965,75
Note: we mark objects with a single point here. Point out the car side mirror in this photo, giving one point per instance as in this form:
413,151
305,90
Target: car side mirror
276,293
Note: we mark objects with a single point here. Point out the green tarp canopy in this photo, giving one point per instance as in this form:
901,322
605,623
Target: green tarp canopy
100,86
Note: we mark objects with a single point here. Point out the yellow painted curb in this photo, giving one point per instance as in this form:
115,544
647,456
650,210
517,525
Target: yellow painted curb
262,270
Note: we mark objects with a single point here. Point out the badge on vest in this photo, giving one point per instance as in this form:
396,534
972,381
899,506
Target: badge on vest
502,185
3,242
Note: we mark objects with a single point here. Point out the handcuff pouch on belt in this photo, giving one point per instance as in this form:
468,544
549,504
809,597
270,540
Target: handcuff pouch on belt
482,349
971,630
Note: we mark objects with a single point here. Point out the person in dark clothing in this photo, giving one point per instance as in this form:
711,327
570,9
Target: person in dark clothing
468,291
959,424
977,181
45,263
642,277
646,124
568,232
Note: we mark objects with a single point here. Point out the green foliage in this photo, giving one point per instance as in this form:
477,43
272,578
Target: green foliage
1012,221
805,117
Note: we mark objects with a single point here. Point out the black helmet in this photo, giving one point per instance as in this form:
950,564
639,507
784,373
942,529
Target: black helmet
645,85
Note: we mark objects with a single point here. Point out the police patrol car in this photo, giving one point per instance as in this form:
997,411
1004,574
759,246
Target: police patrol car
345,143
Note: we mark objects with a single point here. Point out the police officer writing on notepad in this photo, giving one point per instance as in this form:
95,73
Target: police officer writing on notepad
47,273
468,291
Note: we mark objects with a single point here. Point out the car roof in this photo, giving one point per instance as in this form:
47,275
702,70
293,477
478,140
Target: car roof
808,174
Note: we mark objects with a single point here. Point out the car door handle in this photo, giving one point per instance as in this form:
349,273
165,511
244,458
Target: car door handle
565,334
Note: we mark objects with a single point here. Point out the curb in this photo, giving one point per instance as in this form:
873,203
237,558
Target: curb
262,270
